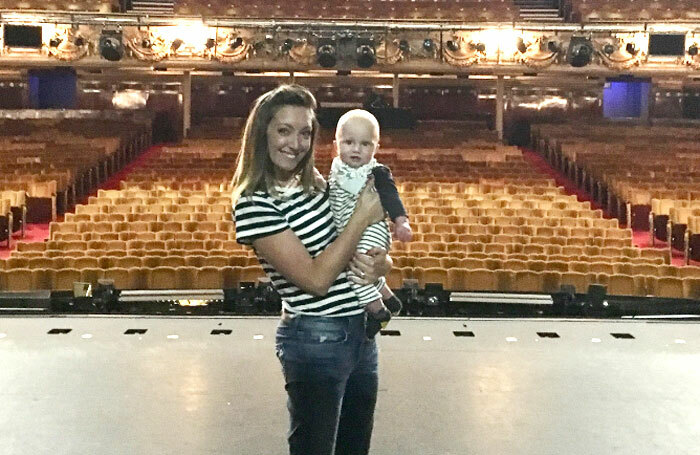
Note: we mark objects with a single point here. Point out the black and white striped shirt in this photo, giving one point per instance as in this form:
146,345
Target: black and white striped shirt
309,217
375,235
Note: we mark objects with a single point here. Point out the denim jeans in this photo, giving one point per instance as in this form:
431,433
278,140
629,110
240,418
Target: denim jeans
331,378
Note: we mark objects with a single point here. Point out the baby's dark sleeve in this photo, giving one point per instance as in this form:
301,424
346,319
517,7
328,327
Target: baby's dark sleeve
388,194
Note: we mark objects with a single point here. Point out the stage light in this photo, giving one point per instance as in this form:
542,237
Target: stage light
146,43
326,55
176,44
238,42
404,46
54,42
580,52
110,45
522,47
210,43
481,47
365,55
267,299
693,50
631,48
428,45
608,49
452,46
287,46
79,41
553,46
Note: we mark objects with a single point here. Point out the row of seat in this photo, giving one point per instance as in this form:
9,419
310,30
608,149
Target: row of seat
637,10
129,245
167,193
23,279
141,226
190,277
143,236
101,6
213,216
462,10
108,261
539,263
462,279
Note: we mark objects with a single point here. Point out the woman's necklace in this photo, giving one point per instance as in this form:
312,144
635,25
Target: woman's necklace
285,187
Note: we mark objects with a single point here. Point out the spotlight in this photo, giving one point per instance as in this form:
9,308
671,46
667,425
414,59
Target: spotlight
79,41
365,55
522,47
693,50
428,45
238,42
110,45
287,46
608,49
54,42
580,52
553,46
146,43
267,300
404,46
631,48
245,301
176,44
326,54
481,47
210,43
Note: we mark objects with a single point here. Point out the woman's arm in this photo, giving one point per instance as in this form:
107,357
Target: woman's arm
285,252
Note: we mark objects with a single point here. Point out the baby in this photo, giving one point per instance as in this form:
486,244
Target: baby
356,142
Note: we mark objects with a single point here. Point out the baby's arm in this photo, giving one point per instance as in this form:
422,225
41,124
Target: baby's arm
391,201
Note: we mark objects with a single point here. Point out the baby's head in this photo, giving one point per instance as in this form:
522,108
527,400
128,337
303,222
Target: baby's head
357,137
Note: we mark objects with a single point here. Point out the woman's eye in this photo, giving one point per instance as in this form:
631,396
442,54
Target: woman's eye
306,134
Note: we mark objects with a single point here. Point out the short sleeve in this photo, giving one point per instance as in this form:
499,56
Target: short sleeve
255,217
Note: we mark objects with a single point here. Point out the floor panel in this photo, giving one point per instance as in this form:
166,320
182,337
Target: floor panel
505,390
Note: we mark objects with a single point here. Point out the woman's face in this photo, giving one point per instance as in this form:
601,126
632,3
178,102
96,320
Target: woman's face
289,138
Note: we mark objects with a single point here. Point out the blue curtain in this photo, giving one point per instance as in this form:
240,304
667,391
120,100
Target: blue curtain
625,99
52,89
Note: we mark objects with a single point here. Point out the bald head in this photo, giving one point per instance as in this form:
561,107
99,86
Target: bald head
358,116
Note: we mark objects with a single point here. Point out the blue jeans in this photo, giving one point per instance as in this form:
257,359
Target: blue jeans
331,378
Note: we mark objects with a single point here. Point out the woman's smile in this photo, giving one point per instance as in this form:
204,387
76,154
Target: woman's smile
289,139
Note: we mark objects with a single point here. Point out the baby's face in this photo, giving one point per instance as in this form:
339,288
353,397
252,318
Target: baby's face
356,142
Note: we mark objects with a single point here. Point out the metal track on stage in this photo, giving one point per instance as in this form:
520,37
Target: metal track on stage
212,385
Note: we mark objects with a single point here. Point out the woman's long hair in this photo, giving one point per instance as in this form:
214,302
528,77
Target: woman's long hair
254,169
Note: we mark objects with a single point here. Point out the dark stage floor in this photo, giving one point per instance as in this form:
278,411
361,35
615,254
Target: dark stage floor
178,389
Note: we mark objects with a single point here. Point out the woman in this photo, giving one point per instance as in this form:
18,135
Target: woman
282,210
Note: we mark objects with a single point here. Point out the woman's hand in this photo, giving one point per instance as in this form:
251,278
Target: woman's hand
368,204
368,267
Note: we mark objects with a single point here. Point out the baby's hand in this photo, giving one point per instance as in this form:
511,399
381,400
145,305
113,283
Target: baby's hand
402,230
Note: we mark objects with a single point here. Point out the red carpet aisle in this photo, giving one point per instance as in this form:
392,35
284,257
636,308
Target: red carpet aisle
40,232
640,238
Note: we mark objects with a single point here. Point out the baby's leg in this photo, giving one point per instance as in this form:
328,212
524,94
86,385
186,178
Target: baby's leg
391,302
375,306
378,316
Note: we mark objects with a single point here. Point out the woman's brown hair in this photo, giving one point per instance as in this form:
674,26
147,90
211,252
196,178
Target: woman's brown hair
254,169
